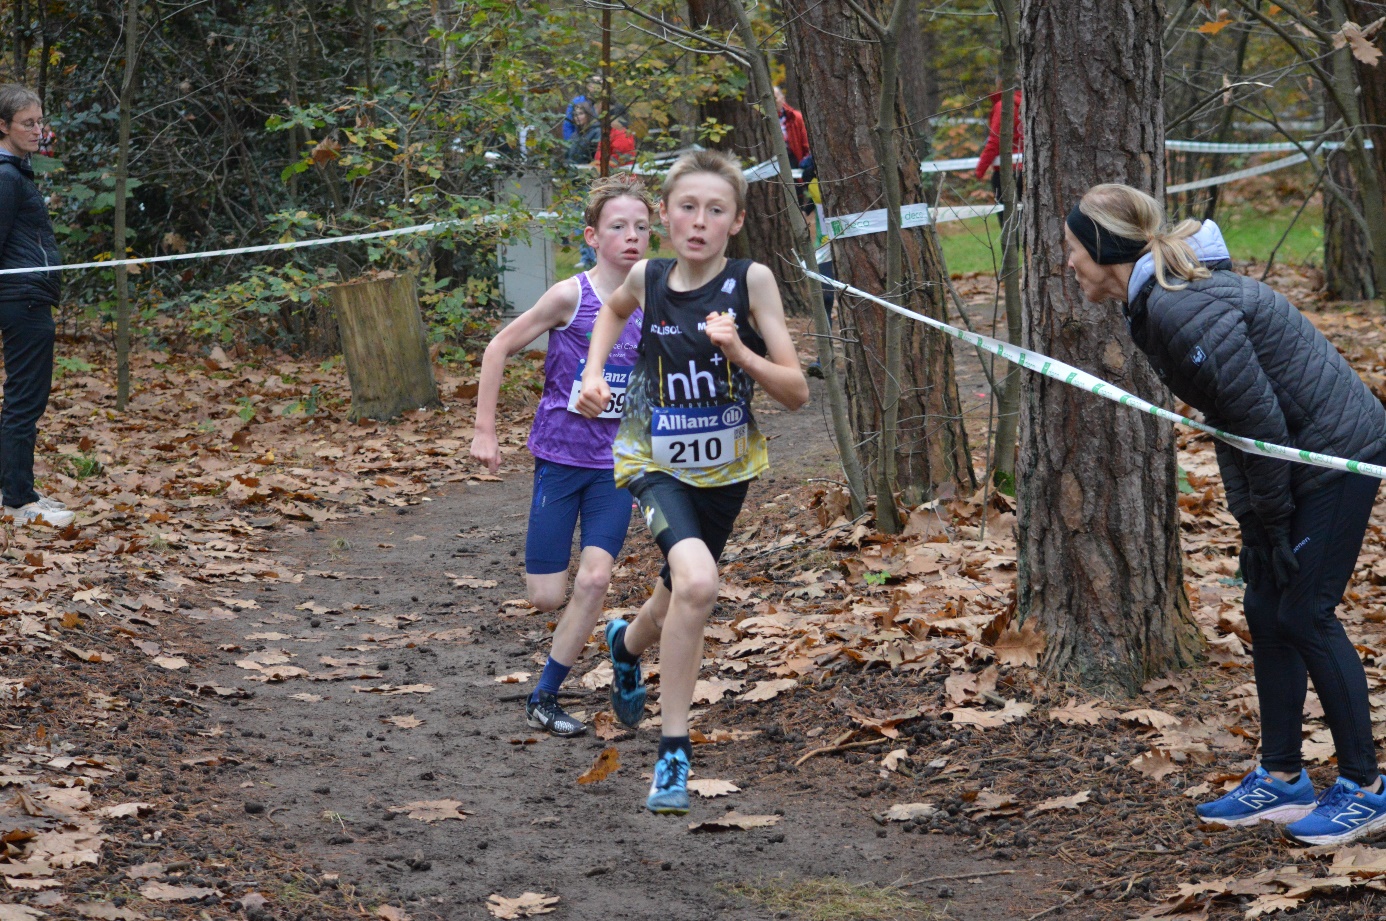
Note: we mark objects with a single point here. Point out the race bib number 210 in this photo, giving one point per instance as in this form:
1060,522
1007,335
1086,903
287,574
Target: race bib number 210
698,436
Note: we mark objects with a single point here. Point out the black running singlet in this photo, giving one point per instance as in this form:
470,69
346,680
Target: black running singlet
688,409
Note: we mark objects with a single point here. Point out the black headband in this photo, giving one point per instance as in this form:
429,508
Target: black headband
1105,248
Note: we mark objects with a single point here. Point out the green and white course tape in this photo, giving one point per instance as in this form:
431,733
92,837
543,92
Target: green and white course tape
1058,370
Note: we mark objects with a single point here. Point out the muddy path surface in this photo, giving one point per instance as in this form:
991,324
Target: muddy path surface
323,776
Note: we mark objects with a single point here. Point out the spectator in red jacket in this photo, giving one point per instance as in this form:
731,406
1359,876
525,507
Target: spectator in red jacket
992,150
792,125
622,147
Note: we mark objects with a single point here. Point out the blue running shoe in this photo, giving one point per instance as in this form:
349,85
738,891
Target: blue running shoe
669,789
627,690
1345,812
1261,797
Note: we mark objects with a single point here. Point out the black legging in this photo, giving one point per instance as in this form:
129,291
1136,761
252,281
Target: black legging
1295,633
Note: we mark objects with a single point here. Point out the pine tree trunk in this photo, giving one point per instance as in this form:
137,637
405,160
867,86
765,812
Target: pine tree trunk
1100,570
838,63
1347,253
384,347
767,236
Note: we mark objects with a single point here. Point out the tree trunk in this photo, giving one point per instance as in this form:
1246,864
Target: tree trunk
1008,401
1347,253
1100,571
767,236
1372,79
122,279
757,66
839,67
919,83
384,347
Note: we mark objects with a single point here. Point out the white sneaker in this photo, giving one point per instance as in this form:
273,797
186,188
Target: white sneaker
35,513
48,502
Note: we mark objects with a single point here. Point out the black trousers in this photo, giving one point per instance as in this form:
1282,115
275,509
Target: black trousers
27,331
1296,634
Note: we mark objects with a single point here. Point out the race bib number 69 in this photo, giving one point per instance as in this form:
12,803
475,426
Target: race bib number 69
617,377
702,436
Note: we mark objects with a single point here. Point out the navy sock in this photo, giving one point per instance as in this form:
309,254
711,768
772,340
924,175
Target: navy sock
551,679
619,650
672,743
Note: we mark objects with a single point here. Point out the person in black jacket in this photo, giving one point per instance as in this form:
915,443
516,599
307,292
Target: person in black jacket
27,300
1235,350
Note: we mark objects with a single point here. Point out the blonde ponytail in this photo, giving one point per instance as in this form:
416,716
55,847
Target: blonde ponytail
1130,213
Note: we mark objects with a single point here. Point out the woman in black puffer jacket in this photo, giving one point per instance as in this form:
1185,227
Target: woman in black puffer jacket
27,300
1235,350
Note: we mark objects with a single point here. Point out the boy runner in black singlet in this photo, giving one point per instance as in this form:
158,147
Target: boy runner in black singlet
688,445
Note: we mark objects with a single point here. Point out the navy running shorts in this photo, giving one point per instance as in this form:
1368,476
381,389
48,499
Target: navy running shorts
676,511
562,495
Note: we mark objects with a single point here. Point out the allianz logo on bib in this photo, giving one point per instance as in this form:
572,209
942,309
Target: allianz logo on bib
671,422
733,415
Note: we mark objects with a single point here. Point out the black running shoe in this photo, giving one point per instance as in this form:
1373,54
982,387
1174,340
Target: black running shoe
546,714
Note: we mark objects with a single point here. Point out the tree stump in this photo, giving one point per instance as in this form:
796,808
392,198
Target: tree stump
384,346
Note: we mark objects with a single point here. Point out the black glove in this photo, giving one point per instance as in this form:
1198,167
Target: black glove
1268,557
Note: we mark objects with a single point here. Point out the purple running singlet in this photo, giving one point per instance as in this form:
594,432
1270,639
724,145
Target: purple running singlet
560,433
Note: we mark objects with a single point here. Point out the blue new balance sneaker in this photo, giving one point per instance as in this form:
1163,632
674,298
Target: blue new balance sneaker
1345,812
669,789
1261,797
627,690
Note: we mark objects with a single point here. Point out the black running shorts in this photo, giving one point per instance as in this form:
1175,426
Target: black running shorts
676,511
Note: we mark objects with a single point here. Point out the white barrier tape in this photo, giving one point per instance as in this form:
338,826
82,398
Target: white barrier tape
1239,174
970,163
540,216
854,225
1058,370
961,165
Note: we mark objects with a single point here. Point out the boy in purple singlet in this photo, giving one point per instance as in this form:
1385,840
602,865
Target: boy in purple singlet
572,453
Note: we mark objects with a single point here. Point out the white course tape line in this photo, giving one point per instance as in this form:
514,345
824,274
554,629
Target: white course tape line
1239,174
1052,367
855,225
957,166
541,216
970,163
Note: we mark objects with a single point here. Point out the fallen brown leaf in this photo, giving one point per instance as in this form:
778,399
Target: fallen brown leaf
608,761
734,821
433,810
164,892
525,905
708,788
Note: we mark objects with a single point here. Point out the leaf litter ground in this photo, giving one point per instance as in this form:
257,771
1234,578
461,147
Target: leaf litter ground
250,680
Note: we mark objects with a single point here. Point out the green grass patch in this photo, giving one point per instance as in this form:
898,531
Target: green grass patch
831,899
81,466
1251,233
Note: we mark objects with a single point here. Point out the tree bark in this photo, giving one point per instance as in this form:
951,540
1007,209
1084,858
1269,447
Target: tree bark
839,66
384,347
122,277
1100,569
1347,253
768,235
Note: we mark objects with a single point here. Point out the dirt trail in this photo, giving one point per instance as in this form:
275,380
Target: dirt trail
321,777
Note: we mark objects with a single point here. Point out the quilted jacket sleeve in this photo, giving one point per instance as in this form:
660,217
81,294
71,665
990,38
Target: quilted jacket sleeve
9,203
1213,355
